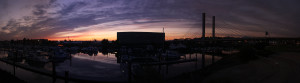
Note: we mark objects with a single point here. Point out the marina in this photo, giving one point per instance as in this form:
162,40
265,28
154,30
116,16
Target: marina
149,41
84,67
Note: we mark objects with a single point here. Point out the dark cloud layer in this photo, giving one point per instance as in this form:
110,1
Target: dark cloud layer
42,19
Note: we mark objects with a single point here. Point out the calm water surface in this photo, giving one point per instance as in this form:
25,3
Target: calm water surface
101,67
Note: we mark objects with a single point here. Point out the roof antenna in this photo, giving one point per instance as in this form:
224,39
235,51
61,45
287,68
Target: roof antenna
163,30
69,38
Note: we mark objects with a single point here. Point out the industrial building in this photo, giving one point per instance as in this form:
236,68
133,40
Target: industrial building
134,39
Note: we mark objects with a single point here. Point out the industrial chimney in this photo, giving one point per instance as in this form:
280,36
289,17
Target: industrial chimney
203,25
213,27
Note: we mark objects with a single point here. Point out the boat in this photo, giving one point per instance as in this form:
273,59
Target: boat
171,55
59,54
13,55
39,59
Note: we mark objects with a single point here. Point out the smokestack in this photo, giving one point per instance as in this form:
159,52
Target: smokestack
213,27
203,25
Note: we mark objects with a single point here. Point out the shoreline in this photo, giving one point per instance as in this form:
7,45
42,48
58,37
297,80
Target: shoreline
7,77
234,67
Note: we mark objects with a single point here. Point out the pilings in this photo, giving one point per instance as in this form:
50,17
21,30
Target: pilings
66,76
15,59
213,58
203,59
129,72
53,72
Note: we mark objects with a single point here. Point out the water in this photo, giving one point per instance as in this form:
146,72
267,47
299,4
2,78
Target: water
102,67
172,70
28,76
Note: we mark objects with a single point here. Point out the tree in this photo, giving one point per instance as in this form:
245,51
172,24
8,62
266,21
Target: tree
105,43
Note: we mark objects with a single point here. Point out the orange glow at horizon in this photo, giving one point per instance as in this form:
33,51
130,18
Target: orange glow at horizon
92,38
113,37
173,30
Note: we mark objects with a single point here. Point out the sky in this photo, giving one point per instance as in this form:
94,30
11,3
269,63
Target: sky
99,19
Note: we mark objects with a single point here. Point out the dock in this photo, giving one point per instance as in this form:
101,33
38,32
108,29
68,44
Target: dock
168,62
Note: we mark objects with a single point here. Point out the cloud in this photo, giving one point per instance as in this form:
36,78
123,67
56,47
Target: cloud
39,10
72,8
47,18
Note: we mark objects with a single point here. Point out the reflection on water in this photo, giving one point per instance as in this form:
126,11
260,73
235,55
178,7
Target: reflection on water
28,76
100,67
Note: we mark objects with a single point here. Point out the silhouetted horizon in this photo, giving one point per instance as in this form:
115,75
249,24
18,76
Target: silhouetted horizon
149,41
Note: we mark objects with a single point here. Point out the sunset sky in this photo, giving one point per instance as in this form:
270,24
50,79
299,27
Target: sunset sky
98,19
